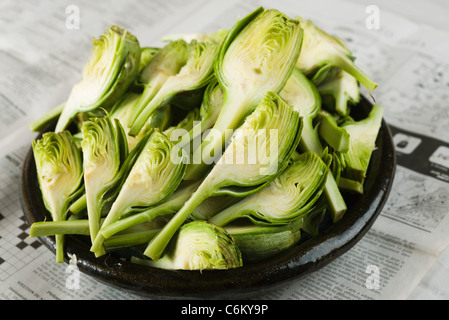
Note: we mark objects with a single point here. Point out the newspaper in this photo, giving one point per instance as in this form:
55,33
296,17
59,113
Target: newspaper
403,256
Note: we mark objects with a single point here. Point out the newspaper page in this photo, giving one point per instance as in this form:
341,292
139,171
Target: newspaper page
46,44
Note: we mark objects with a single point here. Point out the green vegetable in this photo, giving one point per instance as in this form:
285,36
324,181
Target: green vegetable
258,242
123,109
79,206
155,175
59,172
213,205
246,165
102,149
170,206
362,143
193,71
131,237
304,97
135,145
146,55
51,228
167,62
334,135
290,196
311,222
199,246
111,70
344,90
321,52
350,185
257,56
185,125
209,111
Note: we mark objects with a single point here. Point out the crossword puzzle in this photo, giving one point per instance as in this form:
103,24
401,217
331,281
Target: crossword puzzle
16,249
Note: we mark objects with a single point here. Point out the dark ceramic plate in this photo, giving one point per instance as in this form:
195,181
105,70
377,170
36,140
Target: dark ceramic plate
300,260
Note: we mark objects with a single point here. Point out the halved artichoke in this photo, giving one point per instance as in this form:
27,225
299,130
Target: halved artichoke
155,175
199,246
59,172
111,70
257,56
103,147
288,197
321,52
